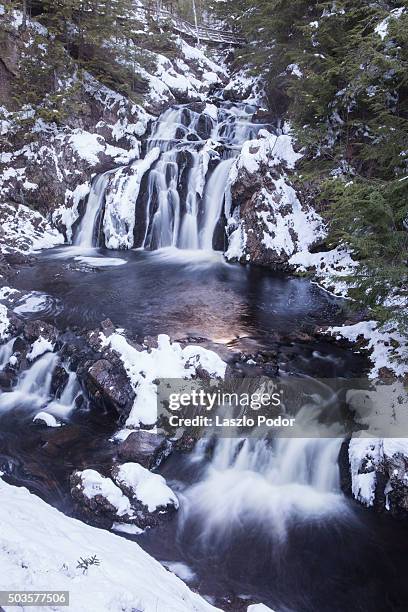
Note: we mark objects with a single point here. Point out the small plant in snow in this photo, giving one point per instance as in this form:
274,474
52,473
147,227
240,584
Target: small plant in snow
86,563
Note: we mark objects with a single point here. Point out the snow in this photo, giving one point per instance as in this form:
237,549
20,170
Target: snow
47,418
259,608
169,360
294,69
121,197
329,267
289,227
26,230
268,149
101,262
88,146
39,347
67,215
127,528
382,28
181,570
4,322
386,346
94,484
150,489
40,549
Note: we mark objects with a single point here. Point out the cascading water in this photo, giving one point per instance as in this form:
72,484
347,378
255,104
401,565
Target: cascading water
186,164
33,389
85,237
263,485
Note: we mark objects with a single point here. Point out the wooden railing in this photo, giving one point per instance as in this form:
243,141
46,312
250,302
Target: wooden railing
200,33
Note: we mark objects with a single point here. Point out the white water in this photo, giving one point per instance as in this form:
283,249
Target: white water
264,485
184,196
33,389
6,351
213,201
85,235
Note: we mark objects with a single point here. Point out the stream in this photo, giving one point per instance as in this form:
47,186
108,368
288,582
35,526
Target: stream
258,521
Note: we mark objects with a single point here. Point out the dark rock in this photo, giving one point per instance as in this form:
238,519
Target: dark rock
59,380
6,380
148,449
34,329
150,342
108,383
97,509
20,345
108,327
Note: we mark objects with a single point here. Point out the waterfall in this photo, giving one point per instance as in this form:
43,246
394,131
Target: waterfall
187,160
263,484
6,351
213,202
85,237
33,389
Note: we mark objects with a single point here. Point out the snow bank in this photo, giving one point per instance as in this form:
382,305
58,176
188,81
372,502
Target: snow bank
40,549
268,150
39,347
259,608
4,322
150,489
386,346
329,267
167,361
26,230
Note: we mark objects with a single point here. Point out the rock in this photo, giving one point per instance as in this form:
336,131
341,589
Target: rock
59,380
99,498
34,329
375,472
6,380
150,496
133,495
108,327
150,342
148,449
108,383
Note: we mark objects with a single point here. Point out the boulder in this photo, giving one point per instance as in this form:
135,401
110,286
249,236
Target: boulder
107,382
34,329
148,449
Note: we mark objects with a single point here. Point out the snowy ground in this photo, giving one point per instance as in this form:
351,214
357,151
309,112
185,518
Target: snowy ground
41,548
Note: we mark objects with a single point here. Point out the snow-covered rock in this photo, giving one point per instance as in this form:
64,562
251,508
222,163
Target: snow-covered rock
147,488
4,322
25,230
39,347
133,496
379,473
267,223
387,348
100,494
121,197
168,360
47,419
41,548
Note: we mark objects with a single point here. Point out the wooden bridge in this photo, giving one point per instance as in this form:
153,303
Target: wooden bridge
199,33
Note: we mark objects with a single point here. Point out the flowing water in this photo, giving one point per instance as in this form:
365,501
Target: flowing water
262,520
